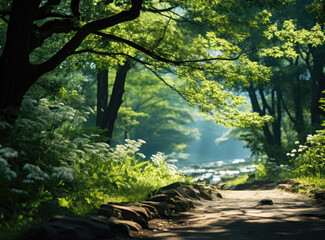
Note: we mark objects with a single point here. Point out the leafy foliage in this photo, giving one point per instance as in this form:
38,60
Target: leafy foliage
49,163
155,114
309,159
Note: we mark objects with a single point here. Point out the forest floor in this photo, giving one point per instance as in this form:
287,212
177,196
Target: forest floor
240,214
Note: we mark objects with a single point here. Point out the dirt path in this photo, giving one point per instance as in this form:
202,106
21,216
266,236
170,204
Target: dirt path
238,215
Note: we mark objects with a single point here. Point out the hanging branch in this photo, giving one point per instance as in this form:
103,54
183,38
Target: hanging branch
145,64
162,59
84,31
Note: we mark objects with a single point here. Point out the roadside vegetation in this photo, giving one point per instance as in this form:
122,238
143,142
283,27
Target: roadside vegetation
50,164
95,96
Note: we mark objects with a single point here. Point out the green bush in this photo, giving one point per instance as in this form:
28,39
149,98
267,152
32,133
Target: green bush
268,168
51,164
309,159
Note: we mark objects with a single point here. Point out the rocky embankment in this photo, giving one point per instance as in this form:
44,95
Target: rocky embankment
125,220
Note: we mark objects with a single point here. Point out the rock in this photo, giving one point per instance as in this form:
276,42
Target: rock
64,228
265,202
218,195
205,192
320,194
173,186
163,197
291,182
204,181
186,190
182,204
163,208
223,186
150,209
287,187
257,184
113,224
117,219
132,213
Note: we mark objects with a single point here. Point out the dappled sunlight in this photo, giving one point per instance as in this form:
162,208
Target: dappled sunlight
239,216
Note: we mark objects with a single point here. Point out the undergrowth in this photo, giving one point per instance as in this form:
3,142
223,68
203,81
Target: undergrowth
50,164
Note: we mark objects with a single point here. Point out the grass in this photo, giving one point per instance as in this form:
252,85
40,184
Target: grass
315,182
244,178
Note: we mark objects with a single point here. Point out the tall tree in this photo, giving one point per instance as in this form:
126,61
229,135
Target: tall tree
30,23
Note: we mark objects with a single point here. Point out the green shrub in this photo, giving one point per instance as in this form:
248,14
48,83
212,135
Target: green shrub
51,164
268,168
309,159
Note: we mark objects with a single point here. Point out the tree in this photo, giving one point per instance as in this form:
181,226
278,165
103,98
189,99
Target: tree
30,23
292,96
155,113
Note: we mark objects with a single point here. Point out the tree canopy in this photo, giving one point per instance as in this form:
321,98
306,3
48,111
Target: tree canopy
40,35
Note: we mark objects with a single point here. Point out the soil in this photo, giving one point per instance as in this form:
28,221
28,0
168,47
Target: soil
243,214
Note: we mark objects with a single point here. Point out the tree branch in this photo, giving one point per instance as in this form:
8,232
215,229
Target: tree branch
75,9
111,54
265,104
167,84
4,19
145,64
58,26
156,10
3,15
159,58
163,36
287,110
44,11
84,31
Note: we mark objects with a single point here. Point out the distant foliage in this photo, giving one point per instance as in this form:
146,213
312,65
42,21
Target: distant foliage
268,168
51,163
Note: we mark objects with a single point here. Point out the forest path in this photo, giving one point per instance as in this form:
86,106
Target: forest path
238,215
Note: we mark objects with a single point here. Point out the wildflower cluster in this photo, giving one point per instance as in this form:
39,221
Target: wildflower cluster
49,160
309,159
6,172
300,148
129,149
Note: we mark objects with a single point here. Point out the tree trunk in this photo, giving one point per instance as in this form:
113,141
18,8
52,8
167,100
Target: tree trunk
256,108
318,85
15,81
278,118
116,100
17,74
299,124
102,95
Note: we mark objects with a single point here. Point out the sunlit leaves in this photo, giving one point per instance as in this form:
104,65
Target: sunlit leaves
289,37
220,105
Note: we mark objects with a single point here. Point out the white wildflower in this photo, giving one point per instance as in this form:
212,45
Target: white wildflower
63,172
14,190
310,137
141,155
8,152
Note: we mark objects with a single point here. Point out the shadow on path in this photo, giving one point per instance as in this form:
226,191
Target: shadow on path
239,216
